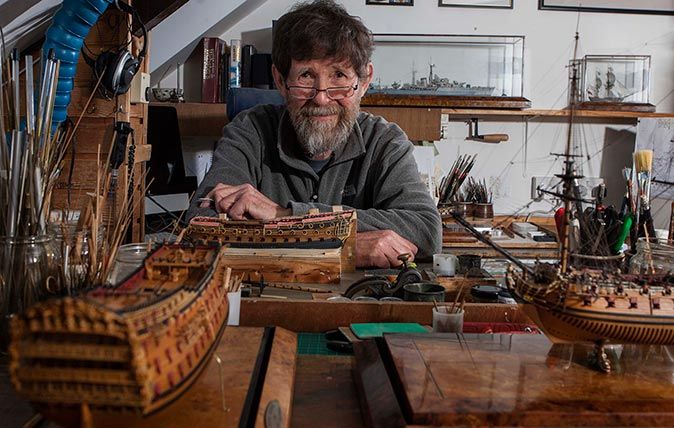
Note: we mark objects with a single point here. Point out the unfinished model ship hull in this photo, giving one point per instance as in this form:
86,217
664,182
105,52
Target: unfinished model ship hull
321,230
134,347
617,310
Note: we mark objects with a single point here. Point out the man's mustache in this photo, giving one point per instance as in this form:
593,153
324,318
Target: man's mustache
309,111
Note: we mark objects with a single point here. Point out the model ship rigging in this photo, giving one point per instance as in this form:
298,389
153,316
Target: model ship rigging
589,304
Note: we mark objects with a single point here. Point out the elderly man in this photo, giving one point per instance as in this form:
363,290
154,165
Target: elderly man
320,150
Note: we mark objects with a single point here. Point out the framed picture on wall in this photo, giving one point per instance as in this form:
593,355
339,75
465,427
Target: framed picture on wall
651,7
391,2
497,4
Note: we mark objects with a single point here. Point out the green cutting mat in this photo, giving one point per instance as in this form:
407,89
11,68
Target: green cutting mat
314,344
367,330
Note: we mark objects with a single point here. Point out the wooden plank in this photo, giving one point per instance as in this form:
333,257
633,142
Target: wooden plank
525,380
285,265
324,386
321,315
277,392
420,124
199,119
467,112
445,101
378,401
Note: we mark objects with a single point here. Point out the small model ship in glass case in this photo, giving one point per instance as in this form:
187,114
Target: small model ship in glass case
447,71
616,82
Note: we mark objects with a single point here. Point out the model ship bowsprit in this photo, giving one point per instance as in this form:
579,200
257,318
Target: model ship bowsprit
133,347
314,230
581,304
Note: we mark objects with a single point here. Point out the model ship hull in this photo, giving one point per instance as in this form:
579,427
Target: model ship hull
133,347
617,310
321,230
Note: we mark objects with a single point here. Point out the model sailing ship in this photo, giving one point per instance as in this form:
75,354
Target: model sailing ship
314,230
136,346
581,304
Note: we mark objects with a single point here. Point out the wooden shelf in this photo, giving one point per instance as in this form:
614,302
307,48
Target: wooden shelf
553,113
199,119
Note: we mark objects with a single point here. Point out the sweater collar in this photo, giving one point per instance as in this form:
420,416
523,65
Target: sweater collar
290,154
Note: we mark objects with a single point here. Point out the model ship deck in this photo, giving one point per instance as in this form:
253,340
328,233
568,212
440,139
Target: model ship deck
321,230
586,306
136,346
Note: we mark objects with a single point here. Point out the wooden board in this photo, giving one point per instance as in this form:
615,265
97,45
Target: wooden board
285,265
525,380
277,392
324,387
445,101
321,315
420,124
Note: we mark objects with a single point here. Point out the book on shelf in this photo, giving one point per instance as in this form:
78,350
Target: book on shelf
204,71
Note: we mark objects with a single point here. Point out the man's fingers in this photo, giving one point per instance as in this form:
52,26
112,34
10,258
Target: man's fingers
224,202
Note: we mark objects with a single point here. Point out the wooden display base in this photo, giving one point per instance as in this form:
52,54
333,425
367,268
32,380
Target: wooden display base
445,101
512,380
615,106
285,264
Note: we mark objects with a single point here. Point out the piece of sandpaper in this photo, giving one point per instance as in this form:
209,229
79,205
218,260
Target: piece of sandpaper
367,330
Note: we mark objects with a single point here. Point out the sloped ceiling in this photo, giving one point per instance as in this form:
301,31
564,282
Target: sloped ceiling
24,22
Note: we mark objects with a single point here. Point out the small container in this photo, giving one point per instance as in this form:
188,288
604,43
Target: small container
465,209
129,258
485,293
468,262
444,264
424,292
653,257
484,210
445,321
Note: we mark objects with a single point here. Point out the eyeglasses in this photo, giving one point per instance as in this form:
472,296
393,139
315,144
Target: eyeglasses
309,93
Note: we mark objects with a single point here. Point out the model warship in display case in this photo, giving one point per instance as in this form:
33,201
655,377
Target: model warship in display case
447,70
133,347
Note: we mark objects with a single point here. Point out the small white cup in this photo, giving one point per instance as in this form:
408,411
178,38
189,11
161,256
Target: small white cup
445,264
445,321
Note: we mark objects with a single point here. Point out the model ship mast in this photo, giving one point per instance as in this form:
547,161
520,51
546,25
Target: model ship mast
569,170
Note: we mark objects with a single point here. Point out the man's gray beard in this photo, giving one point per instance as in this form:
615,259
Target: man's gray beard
321,137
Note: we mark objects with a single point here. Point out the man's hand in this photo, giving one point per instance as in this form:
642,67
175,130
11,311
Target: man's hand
381,248
244,201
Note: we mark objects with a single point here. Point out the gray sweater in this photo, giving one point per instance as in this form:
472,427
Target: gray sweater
374,172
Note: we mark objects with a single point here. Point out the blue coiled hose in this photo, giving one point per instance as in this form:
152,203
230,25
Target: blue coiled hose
66,35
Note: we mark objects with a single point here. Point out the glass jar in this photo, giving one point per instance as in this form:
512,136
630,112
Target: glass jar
653,257
78,251
129,258
30,271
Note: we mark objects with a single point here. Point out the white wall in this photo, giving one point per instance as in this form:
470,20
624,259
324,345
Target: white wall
548,48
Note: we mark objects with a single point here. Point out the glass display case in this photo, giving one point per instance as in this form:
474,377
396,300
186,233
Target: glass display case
448,65
615,81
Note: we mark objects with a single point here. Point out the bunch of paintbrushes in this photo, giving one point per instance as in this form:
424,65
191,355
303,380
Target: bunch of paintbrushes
450,185
643,165
31,150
